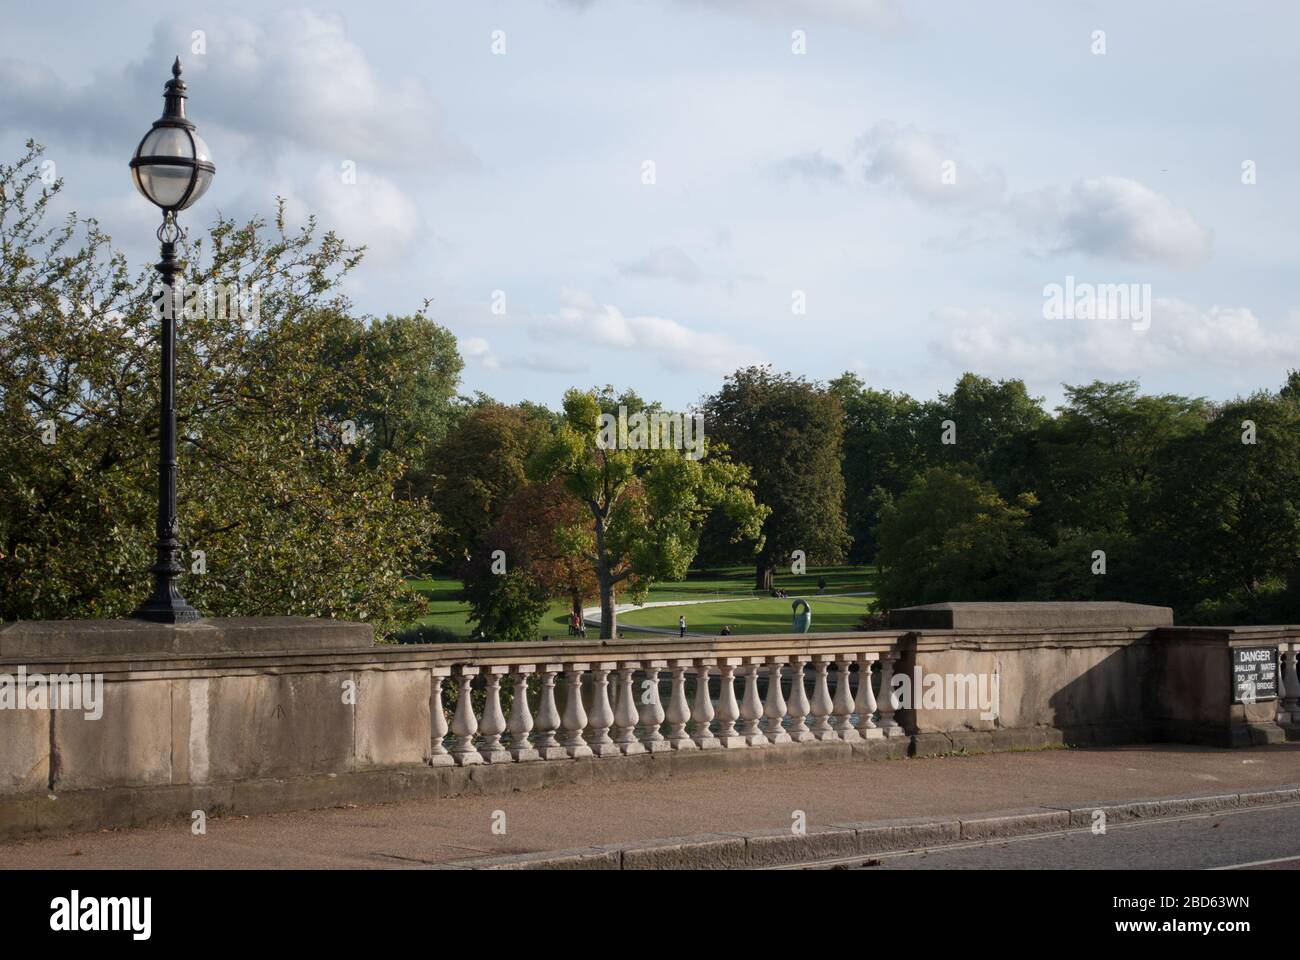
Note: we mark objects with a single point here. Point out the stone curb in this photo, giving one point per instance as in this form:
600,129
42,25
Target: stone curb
759,849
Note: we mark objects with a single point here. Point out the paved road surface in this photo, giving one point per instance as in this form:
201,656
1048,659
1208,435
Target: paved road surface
426,832
1267,838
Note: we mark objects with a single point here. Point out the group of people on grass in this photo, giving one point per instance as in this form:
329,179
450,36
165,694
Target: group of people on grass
577,626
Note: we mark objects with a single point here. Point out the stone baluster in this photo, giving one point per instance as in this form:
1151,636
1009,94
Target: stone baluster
702,711
548,717
651,713
625,712
865,704
494,721
751,707
521,718
889,727
679,711
463,724
602,714
575,716
798,707
1289,688
438,755
728,709
843,702
774,708
821,700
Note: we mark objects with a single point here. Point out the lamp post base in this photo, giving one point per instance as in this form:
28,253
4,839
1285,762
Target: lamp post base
166,606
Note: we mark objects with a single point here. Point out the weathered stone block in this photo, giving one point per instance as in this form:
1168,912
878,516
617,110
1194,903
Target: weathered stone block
393,724
24,750
768,848
278,725
709,851
883,836
583,858
129,745
1014,823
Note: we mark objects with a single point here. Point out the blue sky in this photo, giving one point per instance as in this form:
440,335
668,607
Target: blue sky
778,176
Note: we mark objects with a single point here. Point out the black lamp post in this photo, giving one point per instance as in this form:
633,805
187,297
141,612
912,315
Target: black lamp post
172,168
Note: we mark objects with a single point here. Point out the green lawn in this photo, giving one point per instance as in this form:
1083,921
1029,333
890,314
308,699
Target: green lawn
763,615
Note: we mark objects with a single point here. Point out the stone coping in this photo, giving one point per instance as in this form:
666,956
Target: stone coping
1030,615
664,650
320,651
293,643
78,638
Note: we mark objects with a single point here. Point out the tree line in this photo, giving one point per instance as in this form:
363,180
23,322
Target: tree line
327,457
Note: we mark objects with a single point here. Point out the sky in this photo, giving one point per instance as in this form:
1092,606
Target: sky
653,193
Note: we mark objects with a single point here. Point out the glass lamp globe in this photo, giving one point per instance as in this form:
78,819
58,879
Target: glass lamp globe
172,166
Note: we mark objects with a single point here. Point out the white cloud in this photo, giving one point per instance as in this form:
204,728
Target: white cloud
371,212
585,324
1231,340
1113,217
478,351
927,167
1108,217
294,77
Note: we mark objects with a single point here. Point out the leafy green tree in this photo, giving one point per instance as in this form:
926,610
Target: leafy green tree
474,470
789,433
289,515
992,422
952,537
883,453
407,400
644,507
1222,523
1097,459
541,542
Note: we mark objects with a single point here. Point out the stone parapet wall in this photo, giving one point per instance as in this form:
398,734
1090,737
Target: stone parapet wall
219,723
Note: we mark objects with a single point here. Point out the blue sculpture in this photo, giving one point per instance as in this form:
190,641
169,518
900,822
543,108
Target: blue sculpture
802,620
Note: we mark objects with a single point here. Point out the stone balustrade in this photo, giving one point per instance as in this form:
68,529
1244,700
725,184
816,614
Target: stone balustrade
651,704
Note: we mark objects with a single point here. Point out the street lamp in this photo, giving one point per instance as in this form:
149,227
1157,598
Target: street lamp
172,168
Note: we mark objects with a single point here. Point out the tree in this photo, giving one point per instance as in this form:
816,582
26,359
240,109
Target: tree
534,553
474,470
1097,459
1222,522
883,453
644,506
280,514
952,537
789,433
991,424
407,401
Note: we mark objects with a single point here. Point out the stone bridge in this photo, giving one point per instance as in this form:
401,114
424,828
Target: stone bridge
250,716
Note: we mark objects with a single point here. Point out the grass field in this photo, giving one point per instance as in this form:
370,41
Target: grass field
447,612
764,615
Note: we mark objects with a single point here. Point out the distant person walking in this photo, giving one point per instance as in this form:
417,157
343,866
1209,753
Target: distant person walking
681,626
